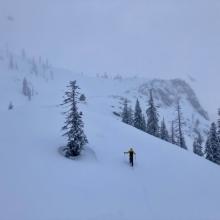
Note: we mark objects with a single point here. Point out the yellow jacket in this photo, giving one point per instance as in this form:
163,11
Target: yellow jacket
131,151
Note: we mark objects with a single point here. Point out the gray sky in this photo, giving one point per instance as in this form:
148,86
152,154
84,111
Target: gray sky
146,37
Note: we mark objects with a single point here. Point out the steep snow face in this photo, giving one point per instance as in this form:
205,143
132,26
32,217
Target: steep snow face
38,183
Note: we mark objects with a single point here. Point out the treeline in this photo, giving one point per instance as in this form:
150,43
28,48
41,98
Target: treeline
212,143
148,121
34,66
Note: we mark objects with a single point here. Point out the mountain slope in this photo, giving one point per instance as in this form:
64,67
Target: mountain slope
111,91
38,183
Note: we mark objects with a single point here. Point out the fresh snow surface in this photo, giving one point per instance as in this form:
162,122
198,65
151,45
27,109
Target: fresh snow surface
37,183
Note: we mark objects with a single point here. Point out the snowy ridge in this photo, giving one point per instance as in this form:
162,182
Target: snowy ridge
167,91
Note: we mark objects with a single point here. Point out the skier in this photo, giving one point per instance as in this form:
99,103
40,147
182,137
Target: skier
131,156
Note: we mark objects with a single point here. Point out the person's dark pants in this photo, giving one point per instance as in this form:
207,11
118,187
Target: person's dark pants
131,161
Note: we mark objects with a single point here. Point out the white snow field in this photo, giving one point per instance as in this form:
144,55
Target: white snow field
37,183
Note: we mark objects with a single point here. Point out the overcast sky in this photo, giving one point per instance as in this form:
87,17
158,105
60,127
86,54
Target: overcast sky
166,38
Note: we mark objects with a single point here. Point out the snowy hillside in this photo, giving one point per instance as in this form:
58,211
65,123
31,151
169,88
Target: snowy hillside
37,183
109,91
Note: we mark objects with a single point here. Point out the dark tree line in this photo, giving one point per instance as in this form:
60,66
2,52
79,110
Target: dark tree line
149,122
212,144
211,148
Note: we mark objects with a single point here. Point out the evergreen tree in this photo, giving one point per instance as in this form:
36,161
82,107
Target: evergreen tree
218,129
138,117
164,135
76,138
212,150
173,134
130,116
179,127
30,93
152,117
127,115
34,68
11,62
143,125
197,145
24,87
26,90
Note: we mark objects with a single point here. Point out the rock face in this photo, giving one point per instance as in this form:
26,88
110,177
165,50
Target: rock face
166,92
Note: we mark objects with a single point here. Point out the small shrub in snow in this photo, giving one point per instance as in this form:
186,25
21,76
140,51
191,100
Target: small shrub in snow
10,106
82,98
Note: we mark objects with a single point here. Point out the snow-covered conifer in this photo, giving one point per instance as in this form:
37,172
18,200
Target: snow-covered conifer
152,117
164,135
34,68
173,134
127,113
25,87
130,116
138,117
197,145
212,148
218,128
26,90
74,126
179,127
143,125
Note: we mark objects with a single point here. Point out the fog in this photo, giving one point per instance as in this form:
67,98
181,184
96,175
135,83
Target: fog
158,38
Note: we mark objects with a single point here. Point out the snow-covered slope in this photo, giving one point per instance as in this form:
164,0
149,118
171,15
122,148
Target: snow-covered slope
110,90
37,183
